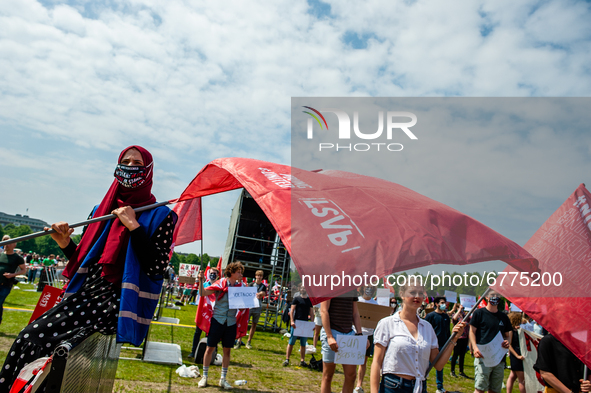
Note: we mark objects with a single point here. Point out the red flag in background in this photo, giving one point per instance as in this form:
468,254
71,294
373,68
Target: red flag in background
343,224
560,297
207,271
219,266
188,227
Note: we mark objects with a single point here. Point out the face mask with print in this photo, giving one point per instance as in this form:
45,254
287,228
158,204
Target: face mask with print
212,276
494,300
368,291
131,176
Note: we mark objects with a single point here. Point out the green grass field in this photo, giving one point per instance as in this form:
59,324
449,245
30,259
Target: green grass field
260,366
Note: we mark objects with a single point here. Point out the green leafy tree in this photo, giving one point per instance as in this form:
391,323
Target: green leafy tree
192,259
46,246
21,230
176,261
1,231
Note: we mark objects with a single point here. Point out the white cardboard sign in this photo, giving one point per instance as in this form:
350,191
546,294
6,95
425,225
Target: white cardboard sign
468,301
383,298
243,297
493,352
351,349
451,296
304,329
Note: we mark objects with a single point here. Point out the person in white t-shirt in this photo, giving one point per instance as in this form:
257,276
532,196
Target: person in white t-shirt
367,296
404,346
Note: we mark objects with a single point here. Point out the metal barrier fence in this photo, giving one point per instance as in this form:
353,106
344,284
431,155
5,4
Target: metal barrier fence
89,366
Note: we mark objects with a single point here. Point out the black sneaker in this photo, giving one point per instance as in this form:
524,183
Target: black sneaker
303,364
453,374
463,375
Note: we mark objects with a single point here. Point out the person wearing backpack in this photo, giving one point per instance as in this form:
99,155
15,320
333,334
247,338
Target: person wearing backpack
300,310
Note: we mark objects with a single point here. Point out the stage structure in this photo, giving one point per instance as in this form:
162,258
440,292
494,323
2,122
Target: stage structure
253,241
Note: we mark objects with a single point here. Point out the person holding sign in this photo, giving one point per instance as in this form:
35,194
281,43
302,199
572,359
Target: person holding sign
338,314
404,346
223,322
487,323
301,309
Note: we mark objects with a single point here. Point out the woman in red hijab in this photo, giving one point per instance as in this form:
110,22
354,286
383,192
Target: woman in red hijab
115,265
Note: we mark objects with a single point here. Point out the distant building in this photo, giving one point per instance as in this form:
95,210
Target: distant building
35,224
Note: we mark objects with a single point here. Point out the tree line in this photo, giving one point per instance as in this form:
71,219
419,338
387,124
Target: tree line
45,245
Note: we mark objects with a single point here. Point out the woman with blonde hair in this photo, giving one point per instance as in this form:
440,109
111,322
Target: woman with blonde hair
405,345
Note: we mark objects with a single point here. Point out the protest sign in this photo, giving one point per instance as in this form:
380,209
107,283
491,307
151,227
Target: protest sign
371,314
243,297
451,296
493,352
468,301
304,329
383,298
515,308
351,349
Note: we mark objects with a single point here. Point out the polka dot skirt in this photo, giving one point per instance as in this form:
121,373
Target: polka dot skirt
93,309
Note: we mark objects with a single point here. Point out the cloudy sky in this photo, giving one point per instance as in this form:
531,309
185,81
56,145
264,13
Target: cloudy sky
194,81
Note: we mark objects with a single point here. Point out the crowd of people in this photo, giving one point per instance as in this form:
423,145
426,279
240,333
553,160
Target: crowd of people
403,346
116,275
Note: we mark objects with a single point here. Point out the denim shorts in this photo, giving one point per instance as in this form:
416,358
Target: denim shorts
393,383
328,354
293,339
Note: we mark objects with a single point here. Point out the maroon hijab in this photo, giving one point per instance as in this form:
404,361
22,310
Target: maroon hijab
113,256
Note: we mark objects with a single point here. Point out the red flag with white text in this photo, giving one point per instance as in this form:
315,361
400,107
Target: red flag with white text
329,221
558,296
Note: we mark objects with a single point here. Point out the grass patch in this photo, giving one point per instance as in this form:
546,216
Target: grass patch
260,366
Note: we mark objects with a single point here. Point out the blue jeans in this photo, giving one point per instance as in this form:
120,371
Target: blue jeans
4,292
394,384
439,377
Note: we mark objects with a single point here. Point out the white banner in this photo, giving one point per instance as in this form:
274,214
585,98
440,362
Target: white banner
304,329
243,297
188,270
351,349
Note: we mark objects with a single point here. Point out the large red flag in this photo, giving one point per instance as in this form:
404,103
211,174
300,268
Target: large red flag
346,225
558,295
188,227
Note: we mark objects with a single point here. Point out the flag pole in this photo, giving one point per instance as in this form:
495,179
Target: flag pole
586,372
455,334
82,223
